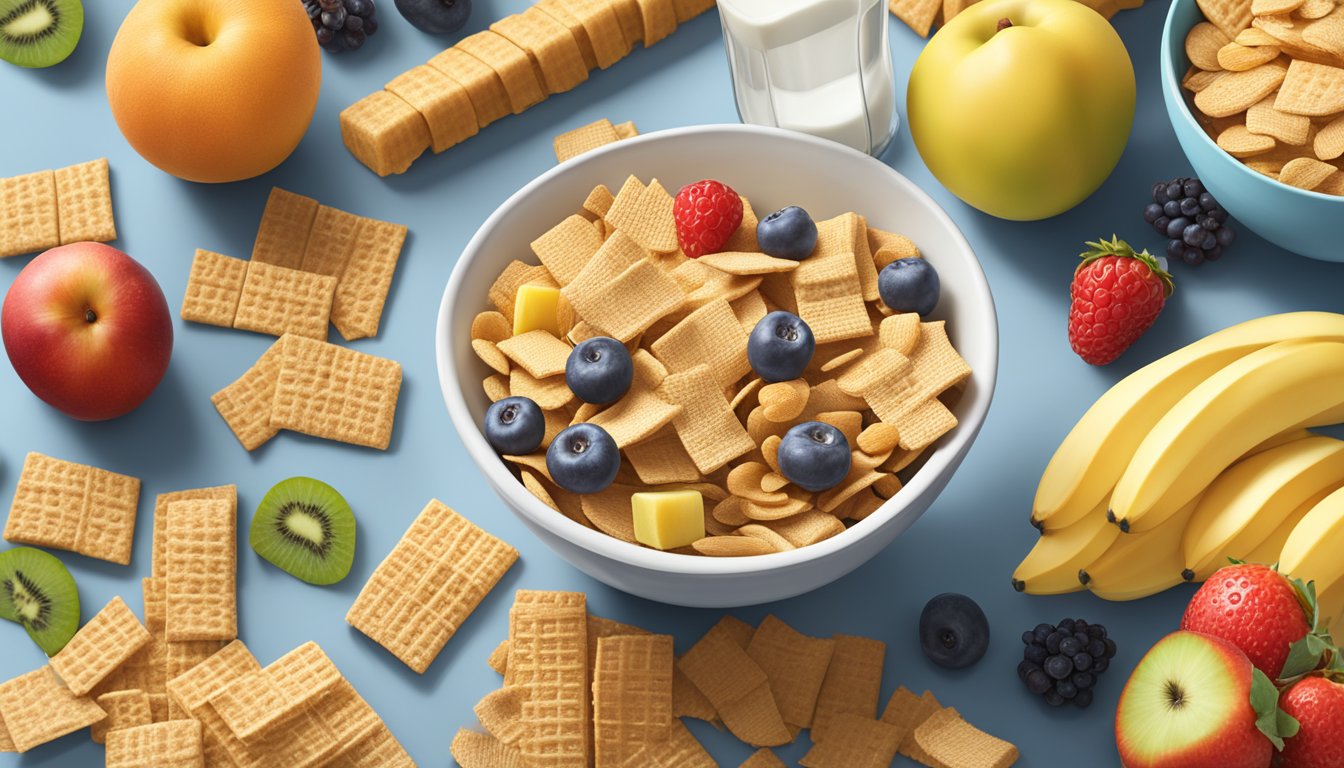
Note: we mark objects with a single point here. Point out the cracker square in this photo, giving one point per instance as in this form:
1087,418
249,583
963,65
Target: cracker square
174,744
159,548
548,656
566,248
442,101
632,695
641,412
255,704
737,687
384,133
193,689
645,216
75,507
1311,89
361,294
918,15
429,584
852,682
599,202
184,655
708,428
99,647
603,26
202,570
125,709
285,225
829,296
711,335
489,100
331,243
537,352
619,293
662,459
681,750
795,664
949,740
510,62
245,405
278,300
1230,16
37,709
84,202
554,52
855,742
336,393
583,139
214,287
472,749
906,710
29,221
660,20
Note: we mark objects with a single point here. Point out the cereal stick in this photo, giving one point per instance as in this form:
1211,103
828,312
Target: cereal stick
202,571
632,695
548,655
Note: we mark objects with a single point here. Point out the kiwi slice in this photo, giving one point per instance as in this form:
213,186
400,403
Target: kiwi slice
39,33
37,592
305,528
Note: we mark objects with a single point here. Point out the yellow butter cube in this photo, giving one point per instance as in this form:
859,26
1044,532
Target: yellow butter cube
668,519
537,308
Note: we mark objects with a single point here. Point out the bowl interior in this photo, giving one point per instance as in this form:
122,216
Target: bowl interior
772,168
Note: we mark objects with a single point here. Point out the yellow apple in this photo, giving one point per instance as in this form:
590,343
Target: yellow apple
1022,107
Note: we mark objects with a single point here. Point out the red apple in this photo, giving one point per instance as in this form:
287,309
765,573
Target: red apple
1188,705
87,329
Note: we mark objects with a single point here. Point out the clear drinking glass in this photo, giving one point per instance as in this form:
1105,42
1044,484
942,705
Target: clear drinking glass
817,66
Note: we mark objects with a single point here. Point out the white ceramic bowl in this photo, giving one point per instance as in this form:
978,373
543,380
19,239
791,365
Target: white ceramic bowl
773,168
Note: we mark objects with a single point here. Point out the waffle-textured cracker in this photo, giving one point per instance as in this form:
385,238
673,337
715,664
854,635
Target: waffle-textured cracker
35,709
548,655
99,647
75,507
278,300
125,709
214,287
361,294
173,744
632,695
441,100
337,393
159,549
511,63
84,203
285,225
202,570
554,52
245,404
29,221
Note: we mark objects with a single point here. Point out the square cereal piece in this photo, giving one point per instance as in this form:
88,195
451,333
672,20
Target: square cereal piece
202,571
100,647
213,288
84,203
709,430
183,656
795,665
855,742
950,740
429,584
510,62
29,221
689,9
599,202
192,690
537,352
559,10
711,335
736,686
489,100
548,657
565,248
125,709
331,243
626,130
245,405
583,139
361,293
443,103
174,744
278,300
918,15
75,507
907,711
640,413
603,26
660,20
645,215
632,695
620,293
553,50
852,682
830,297
384,132
336,393
662,459
1311,89
379,749
682,750
472,749
38,709
254,705
285,225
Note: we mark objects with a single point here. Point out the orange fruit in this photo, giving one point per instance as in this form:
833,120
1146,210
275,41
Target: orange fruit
214,90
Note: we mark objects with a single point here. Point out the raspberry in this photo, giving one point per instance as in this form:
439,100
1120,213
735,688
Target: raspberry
707,213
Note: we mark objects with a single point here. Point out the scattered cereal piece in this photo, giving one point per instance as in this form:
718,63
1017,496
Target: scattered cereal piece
333,392
795,665
736,686
245,405
49,208
214,288
548,655
125,709
278,300
201,570
174,744
852,682
855,742
384,133
584,139
99,647
38,709
949,740
632,696
84,203
75,507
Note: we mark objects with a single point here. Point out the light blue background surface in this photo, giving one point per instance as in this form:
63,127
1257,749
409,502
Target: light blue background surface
969,541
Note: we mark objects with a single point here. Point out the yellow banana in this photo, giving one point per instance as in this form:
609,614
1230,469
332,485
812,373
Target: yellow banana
1268,551
1244,505
1093,456
1285,385
1331,606
1140,564
1051,567
1314,550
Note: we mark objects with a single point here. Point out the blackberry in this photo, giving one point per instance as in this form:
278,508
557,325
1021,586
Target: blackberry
341,25
1063,662
1191,220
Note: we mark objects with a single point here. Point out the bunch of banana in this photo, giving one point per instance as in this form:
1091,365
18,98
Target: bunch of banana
1200,456
1314,551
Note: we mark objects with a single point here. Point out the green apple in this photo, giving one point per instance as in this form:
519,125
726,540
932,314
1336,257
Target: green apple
1022,107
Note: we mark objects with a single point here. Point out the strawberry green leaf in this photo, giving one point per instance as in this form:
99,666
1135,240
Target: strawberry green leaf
1276,724
1102,248
1304,656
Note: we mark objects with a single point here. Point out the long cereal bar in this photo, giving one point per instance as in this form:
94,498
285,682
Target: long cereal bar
202,570
36,709
548,657
429,584
100,647
333,392
632,695
49,208
64,505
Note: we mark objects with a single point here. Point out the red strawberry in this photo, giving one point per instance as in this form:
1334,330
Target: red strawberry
707,213
1117,294
1318,705
1255,608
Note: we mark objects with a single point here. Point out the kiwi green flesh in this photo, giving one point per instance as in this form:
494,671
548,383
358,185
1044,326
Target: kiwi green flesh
305,528
37,592
39,33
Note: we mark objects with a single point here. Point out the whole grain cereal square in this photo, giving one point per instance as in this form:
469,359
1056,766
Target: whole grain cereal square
641,412
662,459
598,202
950,740
645,216
99,647
622,304
660,20
626,130
429,584
75,507
736,686
906,710
283,233
682,750
29,220
258,702
182,656
331,242
361,294
278,300
202,570
37,709
511,63
192,690
795,665
213,288
159,544
852,682
855,742
501,713
548,656
554,52
245,404
566,248
173,744
537,352
585,138
632,695
336,393
706,424
125,709
711,335
830,298
384,132
442,101
84,203
489,100
603,26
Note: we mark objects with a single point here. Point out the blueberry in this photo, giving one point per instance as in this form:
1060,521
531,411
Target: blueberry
1082,661
437,17
1210,241
1192,188
1024,668
788,233
1192,256
954,631
1174,190
1190,206
780,346
1038,682
1042,631
1171,209
583,459
1058,667
814,456
1083,680
1052,642
1065,625
1207,202
1035,654
909,285
1161,225
1110,648
1193,235
1151,212
599,370
1053,699
1028,638
1100,665
1070,645
1083,699
1177,226
1160,193
1066,688
1095,648
514,426
1225,236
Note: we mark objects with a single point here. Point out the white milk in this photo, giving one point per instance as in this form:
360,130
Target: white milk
818,66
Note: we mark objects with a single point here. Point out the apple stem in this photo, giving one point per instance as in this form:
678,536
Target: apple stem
1003,24
90,316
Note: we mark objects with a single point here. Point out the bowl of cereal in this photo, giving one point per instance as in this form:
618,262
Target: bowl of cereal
1266,136
698,495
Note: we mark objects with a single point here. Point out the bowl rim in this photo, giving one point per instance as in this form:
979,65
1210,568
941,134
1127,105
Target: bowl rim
535,512
1172,85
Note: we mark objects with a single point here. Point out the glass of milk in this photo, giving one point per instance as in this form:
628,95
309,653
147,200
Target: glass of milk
817,66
